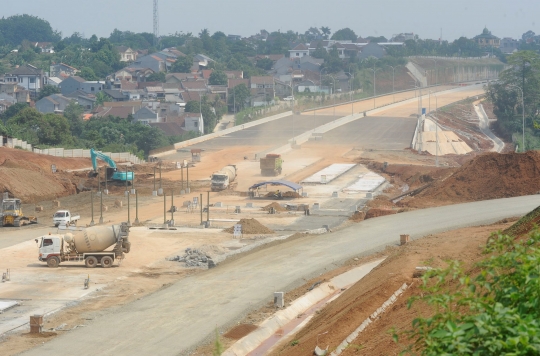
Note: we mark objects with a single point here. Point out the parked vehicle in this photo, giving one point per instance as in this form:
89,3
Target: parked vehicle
65,217
89,246
271,165
222,179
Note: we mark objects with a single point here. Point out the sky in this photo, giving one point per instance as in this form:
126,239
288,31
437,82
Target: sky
426,18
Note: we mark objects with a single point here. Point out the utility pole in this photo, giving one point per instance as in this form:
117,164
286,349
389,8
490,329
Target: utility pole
92,206
136,208
200,205
154,192
172,207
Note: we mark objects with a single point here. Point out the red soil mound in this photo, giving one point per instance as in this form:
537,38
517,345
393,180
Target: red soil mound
488,176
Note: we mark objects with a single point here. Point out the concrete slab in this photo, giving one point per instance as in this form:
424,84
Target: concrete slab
7,304
330,173
368,182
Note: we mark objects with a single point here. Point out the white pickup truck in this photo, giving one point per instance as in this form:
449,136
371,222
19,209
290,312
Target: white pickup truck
65,217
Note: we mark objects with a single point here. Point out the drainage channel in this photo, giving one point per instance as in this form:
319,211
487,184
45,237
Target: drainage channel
288,321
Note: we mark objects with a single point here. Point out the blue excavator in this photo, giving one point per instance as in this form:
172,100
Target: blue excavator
112,171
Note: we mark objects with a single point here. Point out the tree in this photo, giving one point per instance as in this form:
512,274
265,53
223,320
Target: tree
265,63
48,90
239,96
182,65
17,28
344,34
523,76
87,73
320,52
73,112
218,77
156,77
12,111
326,32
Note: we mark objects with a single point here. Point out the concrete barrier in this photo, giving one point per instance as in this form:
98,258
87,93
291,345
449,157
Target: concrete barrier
221,133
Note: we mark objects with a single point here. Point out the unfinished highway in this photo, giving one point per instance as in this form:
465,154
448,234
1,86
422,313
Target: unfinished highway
174,320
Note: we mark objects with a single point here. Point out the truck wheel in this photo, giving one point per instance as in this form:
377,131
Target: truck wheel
90,262
106,262
53,261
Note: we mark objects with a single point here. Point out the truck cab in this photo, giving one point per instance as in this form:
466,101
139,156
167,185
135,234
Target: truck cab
219,181
49,246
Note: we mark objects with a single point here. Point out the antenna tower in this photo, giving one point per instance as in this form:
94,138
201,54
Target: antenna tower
156,23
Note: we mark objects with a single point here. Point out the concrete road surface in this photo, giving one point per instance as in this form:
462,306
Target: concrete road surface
175,319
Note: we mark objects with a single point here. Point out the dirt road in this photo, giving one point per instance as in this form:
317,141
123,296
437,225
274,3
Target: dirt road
173,320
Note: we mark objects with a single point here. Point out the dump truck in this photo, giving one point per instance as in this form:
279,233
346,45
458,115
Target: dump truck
223,178
88,245
65,217
12,214
271,165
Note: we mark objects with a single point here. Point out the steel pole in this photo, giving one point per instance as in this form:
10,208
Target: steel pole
136,207
92,206
172,207
101,208
200,205
208,208
164,209
129,219
182,176
187,177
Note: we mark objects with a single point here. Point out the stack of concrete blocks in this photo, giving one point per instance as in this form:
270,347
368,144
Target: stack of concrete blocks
56,204
345,343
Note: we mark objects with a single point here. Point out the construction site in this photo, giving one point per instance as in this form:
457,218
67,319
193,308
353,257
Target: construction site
289,235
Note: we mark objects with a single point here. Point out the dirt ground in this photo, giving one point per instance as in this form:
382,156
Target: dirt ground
23,174
337,320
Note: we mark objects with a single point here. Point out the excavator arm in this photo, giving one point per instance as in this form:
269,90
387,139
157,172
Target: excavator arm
95,155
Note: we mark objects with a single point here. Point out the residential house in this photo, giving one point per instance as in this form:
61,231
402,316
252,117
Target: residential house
115,94
202,60
262,89
486,39
176,125
234,74
234,37
145,115
84,99
177,78
92,87
197,85
155,92
132,74
157,62
27,76
54,81
509,45
55,103
6,101
71,84
126,54
62,70
12,89
372,50
298,51
402,37
123,112
45,47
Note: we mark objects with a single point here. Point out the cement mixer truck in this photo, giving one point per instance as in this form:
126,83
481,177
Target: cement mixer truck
88,246
222,179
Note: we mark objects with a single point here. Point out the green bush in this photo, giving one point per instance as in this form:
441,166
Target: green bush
493,309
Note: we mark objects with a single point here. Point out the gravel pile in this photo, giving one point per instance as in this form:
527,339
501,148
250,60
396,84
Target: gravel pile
195,258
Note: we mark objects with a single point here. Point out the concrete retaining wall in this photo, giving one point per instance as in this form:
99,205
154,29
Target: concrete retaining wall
73,153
